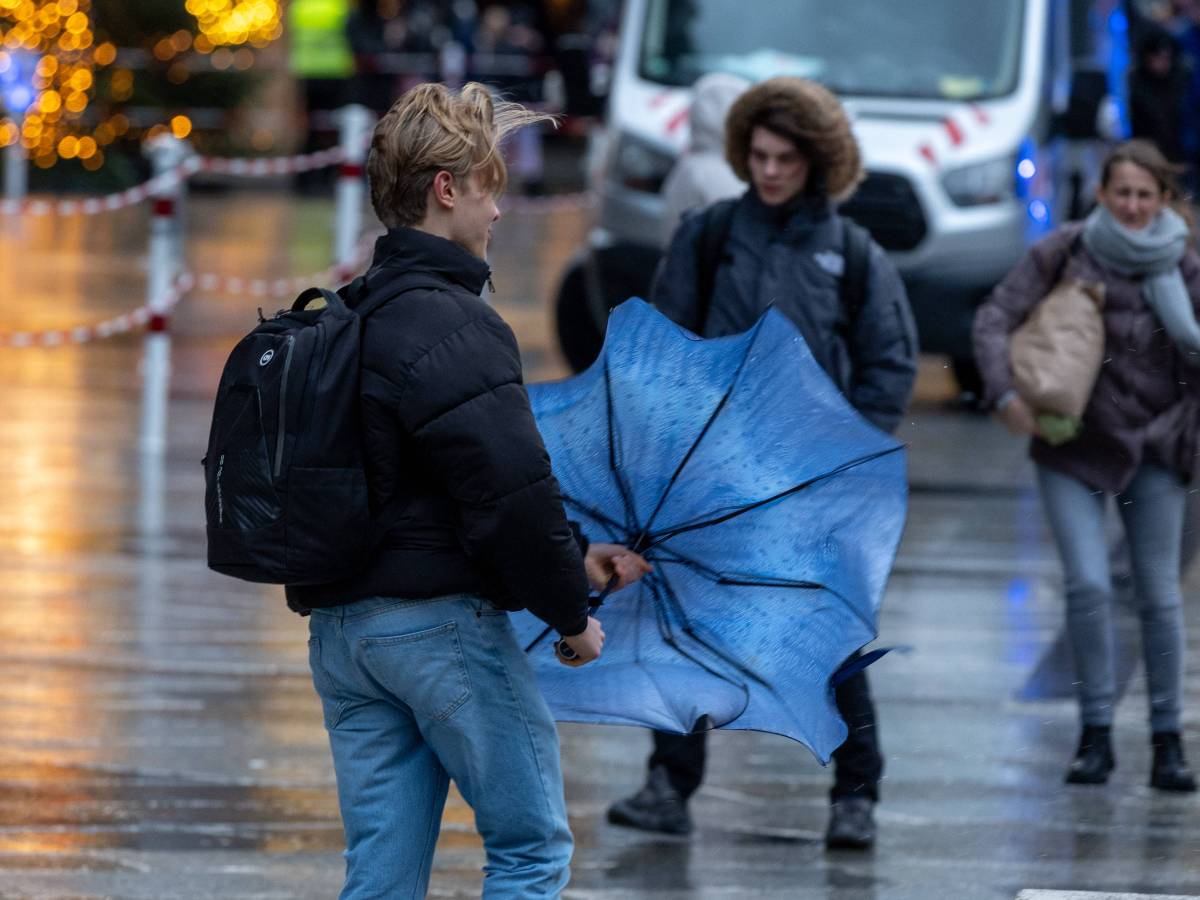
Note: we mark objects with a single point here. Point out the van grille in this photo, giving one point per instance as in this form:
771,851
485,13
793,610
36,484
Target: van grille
886,206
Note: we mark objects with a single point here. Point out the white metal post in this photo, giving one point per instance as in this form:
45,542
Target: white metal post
354,123
16,169
165,264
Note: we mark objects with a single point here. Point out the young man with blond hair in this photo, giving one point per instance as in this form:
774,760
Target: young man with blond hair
416,664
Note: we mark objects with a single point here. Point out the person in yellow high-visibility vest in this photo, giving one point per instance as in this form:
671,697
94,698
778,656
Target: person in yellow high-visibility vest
321,61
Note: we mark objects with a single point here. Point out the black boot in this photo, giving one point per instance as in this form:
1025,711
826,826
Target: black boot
1170,771
851,824
658,806
1094,759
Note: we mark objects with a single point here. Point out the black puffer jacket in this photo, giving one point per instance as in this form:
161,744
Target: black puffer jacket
455,463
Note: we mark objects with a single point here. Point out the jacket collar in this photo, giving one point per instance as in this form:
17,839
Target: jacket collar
798,216
413,250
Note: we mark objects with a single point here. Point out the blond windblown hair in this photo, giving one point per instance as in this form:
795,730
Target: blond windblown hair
432,129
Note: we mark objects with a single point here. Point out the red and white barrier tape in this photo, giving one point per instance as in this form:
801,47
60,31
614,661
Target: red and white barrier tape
142,317
279,288
90,206
284,288
273,165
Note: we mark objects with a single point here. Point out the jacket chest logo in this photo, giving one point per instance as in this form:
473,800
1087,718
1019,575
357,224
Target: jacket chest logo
831,261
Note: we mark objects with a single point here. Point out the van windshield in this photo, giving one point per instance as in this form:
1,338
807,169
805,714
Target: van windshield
945,49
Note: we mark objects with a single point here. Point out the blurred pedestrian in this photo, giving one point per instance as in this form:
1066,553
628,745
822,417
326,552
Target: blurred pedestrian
1158,88
1184,28
375,29
781,244
701,176
417,666
321,60
1138,442
508,56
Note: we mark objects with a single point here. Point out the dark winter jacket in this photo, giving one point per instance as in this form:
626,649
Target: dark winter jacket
1144,406
791,257
455,462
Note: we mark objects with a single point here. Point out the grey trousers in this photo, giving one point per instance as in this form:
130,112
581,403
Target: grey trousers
1151,510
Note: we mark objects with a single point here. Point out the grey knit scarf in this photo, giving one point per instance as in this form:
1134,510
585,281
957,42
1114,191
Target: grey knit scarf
1151,254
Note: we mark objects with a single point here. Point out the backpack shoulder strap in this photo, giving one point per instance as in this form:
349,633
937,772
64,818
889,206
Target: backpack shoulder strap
856,257
718,220
380,286
320,298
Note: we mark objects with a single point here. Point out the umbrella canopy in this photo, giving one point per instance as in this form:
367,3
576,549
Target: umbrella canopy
769,509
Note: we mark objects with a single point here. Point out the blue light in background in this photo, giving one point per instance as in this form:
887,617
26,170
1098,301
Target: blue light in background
16,80
1019,592
1039,211
1026,168
1118,64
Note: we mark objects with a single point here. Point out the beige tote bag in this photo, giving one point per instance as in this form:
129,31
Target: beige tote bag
1057,352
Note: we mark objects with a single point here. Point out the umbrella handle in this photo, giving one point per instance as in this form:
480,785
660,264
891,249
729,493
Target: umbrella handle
560,646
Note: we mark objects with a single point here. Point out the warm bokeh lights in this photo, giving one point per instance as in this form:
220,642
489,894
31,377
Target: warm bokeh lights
59,34
230,23
61,121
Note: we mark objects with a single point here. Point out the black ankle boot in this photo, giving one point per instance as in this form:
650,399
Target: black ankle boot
656,807
1170,771
1094,759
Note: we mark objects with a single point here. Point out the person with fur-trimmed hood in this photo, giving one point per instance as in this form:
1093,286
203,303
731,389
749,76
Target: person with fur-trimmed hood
782,244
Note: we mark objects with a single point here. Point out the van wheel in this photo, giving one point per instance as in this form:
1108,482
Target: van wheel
578,336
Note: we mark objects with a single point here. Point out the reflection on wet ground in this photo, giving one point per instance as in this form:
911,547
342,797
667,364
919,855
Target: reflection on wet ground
161,737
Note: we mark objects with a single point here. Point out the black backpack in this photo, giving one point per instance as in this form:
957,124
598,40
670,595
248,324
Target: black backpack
286,489
718,219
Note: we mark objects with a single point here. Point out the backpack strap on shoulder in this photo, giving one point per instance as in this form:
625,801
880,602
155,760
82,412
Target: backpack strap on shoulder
856,271
380,286
317,298
710,250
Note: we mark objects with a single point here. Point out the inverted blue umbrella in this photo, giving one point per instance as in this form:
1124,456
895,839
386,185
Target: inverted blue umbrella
769,509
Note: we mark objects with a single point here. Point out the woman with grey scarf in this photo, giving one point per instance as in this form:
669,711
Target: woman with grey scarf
1138,443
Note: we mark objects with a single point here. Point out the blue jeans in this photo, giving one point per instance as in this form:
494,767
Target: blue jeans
418,692
1151,510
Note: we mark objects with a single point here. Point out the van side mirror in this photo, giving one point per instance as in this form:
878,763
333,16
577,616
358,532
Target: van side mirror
1086,104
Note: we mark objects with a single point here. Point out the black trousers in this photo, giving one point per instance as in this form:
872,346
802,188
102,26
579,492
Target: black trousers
857,764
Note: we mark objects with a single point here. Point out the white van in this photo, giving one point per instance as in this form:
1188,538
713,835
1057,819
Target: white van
974,118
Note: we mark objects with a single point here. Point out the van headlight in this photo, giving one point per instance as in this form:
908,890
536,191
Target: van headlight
993,181
640,165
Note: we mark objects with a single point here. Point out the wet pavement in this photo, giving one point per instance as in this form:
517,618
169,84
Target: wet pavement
161,739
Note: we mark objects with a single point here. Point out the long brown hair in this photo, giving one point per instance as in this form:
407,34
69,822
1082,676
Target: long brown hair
1146,156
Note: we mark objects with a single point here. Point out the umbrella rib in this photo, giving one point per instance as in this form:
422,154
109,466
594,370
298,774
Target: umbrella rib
660,537
612,453
668,636
717,577
703,431
690,631
736,579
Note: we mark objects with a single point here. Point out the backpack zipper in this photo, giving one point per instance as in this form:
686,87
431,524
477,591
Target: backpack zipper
287,364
